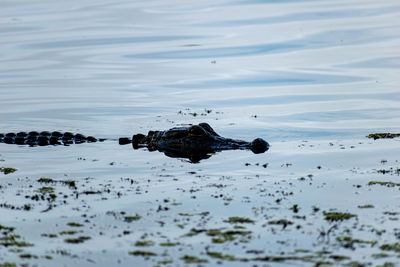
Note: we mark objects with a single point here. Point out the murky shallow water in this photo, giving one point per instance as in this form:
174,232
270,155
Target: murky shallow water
311,77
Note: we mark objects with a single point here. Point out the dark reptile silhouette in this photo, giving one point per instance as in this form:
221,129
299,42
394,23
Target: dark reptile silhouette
194,142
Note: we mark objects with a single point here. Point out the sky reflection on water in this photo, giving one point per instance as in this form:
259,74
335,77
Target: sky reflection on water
143,60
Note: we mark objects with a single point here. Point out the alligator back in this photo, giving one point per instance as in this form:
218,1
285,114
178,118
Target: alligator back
45,138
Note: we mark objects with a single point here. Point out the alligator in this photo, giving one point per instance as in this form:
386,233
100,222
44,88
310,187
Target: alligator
194,142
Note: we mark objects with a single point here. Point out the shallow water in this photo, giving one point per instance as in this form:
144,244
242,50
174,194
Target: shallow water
287,71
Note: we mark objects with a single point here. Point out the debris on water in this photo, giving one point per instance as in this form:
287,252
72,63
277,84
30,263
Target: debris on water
7,170
338,216
193,259
383,135
77,240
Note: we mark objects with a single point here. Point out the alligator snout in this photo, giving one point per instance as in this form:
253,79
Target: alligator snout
259,146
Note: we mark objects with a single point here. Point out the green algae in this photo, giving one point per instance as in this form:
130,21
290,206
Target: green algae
193,259
142,253
8,264
380,255
283,258
28,256
49,235
169,244
295,208
349,242
225,236
338,216
74,224
239,220
388,184
132,218
220,256
26,207
391,247
387,264
16,250
46,190
144,243
46,180
383,135
282,222
13,241
366,206
68,232
7,170
338,257
164,262
77,240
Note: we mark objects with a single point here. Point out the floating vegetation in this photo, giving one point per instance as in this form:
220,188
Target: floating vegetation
8,264
224,236
221,256
169,244
8,239
380,255
25,207
338,257
70,232
283,258
165,262
46,190
366,206
49,235
7,170
132,218
144,243
74,224
390,171
295,208
193,259
142,253
348,241
239,220
205,112
338,216
391,247
388,184
90,192
28,256
383,135
46,180
77,240
282,222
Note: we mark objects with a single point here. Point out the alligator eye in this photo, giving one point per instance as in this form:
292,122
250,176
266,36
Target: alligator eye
196,130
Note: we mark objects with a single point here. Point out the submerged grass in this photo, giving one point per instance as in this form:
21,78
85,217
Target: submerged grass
383,135
239,220
7,170
193,259
338,216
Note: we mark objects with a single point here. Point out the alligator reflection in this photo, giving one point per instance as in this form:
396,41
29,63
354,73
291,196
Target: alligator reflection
195,142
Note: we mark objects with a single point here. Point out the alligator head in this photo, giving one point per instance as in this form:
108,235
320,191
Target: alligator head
194,142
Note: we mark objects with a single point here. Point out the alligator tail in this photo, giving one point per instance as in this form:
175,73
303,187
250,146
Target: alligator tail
45,138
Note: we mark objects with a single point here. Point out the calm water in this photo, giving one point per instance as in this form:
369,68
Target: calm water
304,68
286,71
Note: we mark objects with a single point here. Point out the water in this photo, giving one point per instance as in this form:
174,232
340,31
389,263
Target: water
287,71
